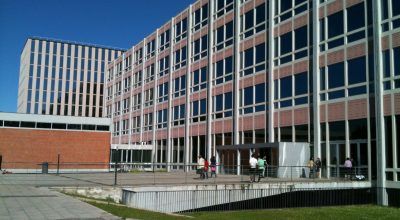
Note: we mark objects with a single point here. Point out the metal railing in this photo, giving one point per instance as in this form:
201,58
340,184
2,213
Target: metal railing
160,173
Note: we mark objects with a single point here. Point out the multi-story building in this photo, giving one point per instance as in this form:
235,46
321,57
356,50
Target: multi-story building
244,72
63,78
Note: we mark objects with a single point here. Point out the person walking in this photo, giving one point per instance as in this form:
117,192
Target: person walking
213,166
310,165
261,168
206,164
348,165
200,167
253,167
318,167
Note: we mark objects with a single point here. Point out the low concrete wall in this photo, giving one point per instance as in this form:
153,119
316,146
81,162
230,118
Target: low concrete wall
107,193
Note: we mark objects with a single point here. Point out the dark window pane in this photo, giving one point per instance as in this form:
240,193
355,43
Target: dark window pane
388,142
286,134
229,30
249,21
300,37
286,87
228,100
301,133
357,70
300,81
218,103
43,125
260,14
396,58
337,131
335,24
248,96
195,108
286,43
248,60
355,17
335,75
358,129
28,124
203,106
89,127
59,126
285,5
260,53
386,63
260,93
395,8
74,126
11,123
228,65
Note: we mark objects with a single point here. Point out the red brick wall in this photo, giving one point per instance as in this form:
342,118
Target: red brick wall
35,146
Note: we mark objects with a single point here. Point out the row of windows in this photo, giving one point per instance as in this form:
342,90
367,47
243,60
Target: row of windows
46,125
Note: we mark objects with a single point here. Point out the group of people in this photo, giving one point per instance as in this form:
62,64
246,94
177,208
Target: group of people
315,167
257,166
203,166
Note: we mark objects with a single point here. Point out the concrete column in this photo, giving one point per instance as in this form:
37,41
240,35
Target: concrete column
271,87
210,79
235,101
169,118
316,80
188,80
382,196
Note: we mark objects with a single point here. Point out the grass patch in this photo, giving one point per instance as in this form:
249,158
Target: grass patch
326,213
126,212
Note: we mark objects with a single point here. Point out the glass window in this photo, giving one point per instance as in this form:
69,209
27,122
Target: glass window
248,96
286,87
286,43
260,53
358,129
300,37
335,24
285,5
337,131
386,63
301,83
218,103
228,100
395,8
356,70
355,17
260,93
335,75
396,58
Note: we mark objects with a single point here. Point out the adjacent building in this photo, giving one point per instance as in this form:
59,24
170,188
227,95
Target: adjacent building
66,143
245,72
62,77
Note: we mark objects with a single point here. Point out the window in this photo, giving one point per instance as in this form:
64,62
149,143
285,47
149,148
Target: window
200,17
180,86
150,49
335,24
127,62
335,75
148,122
179,115
223,36
199,110
163,92
126,105
286,87
223,105
117,108
163,66
301,88
125,126
149,73
252,99
286,43
223,70
181,30
127,84
137,79
164,39
356,70
136,101
135,124
162,116
253,60
138,56
200,48
223,7
148,97
253,21
116,128
355,17
199,79
180,58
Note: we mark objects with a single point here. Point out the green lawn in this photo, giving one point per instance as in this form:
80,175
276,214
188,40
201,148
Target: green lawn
343,212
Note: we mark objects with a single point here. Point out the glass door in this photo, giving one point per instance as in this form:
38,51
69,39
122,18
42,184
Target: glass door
337,158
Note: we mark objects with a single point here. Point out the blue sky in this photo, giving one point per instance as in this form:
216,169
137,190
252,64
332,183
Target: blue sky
115,23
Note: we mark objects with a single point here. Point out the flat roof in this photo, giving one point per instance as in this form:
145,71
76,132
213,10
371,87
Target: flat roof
8,116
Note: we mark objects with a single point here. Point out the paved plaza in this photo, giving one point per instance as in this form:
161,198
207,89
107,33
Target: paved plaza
32,196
